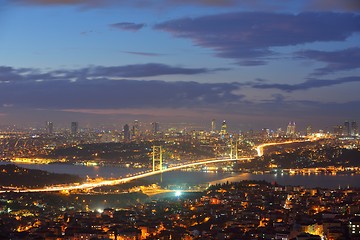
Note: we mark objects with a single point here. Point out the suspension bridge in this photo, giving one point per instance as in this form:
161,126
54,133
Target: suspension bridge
158,168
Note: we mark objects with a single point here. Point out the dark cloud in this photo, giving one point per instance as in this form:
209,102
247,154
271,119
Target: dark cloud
84,3
139,3
309,84
211,3
95,88
111,94
127,26
249,36
54,2
278,97
348,5
137,70
346,59
331,5
140,70
250,63
9,74
56,96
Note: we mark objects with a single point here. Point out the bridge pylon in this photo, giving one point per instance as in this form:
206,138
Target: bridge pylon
234,149
157,157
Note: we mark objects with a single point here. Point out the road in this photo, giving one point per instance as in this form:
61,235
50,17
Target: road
260,148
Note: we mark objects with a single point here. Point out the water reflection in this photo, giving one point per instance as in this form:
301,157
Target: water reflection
192,178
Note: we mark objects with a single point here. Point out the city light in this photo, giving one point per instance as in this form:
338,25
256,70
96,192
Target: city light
172,119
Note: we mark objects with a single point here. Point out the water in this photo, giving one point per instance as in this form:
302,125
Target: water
181,177
81,170
320,180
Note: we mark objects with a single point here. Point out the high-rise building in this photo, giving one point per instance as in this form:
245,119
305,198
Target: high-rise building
354,131
74,128
223,128
347,131
155,127
213,126
49,127
126,131
135,128
291,129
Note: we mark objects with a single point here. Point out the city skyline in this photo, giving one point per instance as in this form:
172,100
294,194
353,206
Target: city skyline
255,64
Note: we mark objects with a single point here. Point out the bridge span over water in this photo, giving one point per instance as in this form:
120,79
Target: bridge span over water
112,182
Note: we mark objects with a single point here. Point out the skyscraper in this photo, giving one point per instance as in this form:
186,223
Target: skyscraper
347,131
126,132
155,127
223,128
213,126
74,128
135,128
49,127
291,129
354,131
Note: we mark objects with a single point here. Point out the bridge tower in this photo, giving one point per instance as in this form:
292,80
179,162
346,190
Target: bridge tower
157,157
233,149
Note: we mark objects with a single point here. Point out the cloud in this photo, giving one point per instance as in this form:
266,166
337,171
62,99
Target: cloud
148,112
55,2
111,94
260,5
128,26
95,88
309,84
56,97
342,60
84,33
349,5
140,70
83,3
146,54
9,74
137,3
248,37
7,105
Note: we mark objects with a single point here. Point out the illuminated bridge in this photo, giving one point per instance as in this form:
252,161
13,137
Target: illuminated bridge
90,185
157,158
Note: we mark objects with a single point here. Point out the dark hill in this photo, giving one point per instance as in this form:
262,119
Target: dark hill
12,175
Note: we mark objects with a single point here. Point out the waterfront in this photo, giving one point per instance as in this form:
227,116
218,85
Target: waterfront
194,177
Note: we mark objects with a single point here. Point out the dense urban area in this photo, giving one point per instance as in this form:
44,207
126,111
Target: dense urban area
147,208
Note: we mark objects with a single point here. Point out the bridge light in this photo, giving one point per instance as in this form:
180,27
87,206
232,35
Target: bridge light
178,193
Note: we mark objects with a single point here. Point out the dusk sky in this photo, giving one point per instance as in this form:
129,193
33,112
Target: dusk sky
255,63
